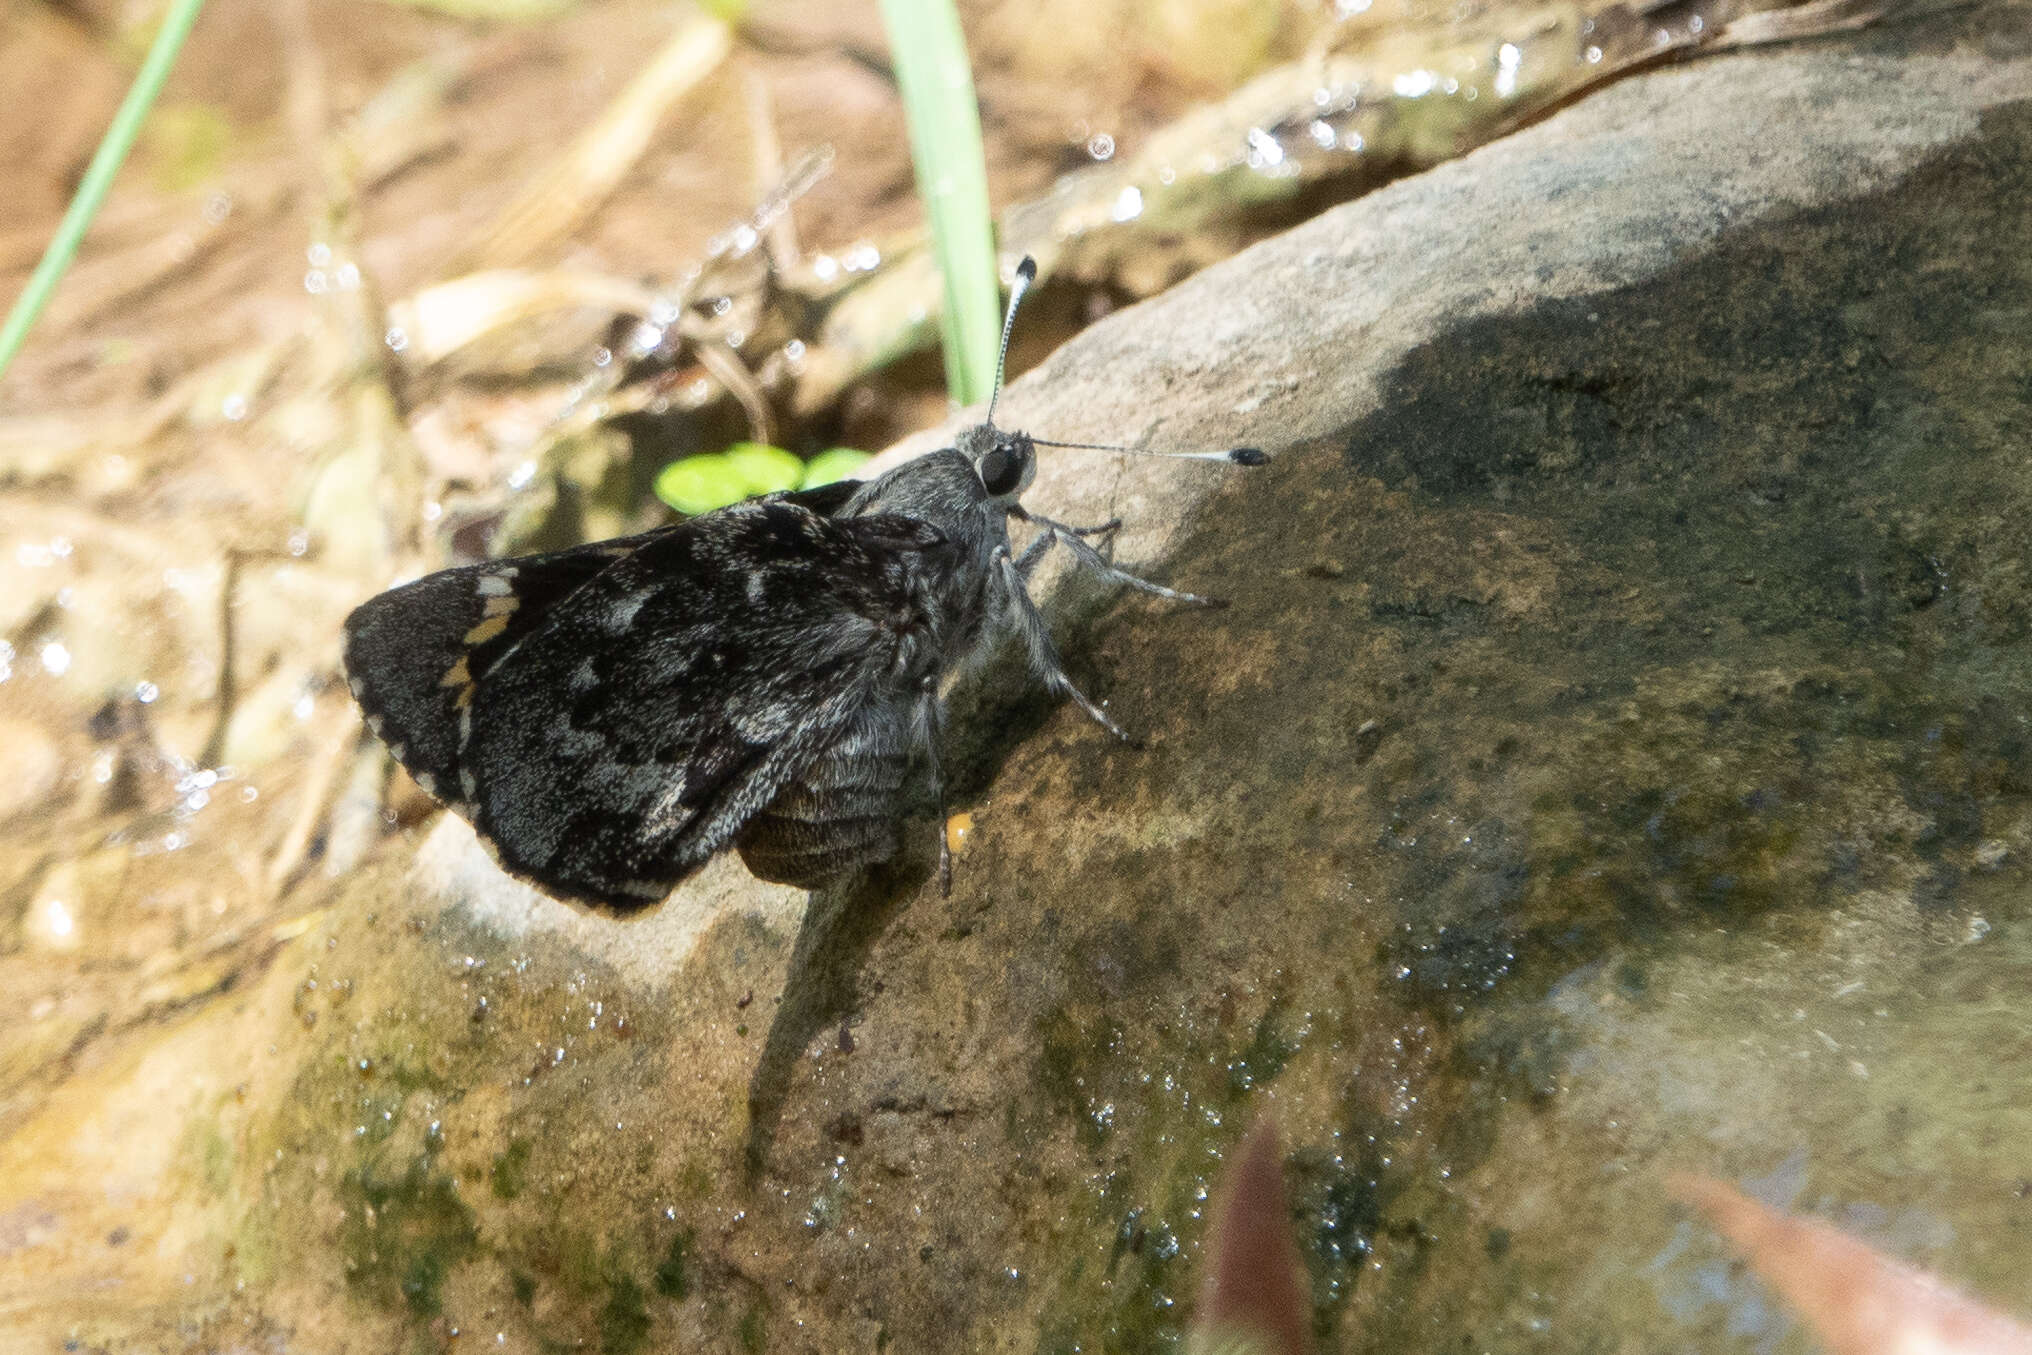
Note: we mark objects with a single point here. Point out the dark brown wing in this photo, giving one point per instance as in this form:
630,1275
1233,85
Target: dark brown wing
665,702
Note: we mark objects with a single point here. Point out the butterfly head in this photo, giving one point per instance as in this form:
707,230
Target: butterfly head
1006,461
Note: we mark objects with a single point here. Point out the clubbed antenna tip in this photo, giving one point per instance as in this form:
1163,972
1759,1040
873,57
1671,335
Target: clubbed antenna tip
1248,456
1026,273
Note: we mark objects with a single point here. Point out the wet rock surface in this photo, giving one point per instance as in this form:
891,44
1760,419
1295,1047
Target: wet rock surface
1615,758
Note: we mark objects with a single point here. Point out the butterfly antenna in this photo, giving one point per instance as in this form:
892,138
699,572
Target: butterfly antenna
1240,456
1026,273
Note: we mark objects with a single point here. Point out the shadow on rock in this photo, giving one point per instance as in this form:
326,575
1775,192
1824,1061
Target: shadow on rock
840,926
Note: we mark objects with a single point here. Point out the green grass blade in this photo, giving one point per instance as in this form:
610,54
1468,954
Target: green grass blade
106,161
952,177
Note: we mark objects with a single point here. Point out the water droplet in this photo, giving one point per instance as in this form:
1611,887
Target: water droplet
1264,152
1508,59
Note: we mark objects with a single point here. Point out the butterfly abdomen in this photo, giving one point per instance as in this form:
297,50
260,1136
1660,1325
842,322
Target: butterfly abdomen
839,815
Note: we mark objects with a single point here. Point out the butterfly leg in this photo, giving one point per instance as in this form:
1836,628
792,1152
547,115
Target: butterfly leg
930,732
1042,543
1094,560
1023,614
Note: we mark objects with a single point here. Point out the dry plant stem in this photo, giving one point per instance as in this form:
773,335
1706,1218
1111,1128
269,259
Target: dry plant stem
213,751
1811,20
440,319
599,397
728,369
222,715
361,358
318,788
109,282
560,199
780,235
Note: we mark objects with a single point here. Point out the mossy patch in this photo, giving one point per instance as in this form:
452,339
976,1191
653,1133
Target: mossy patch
509,1173
673,1272
624,1318
404,1232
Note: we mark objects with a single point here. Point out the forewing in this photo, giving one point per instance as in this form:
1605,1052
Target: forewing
661,705
414,654
826,500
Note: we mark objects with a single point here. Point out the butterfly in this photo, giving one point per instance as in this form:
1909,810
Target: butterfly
762,677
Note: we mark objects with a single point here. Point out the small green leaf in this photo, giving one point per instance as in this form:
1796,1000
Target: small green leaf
699,484
832,465
764,469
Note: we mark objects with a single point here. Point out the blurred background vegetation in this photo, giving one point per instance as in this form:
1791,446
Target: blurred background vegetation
699,226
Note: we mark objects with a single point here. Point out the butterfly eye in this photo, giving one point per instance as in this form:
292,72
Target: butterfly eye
1001,471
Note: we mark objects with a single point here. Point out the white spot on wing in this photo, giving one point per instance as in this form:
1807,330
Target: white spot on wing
755,588
622,614
374,725
495,586
359,687
467,784
427,782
